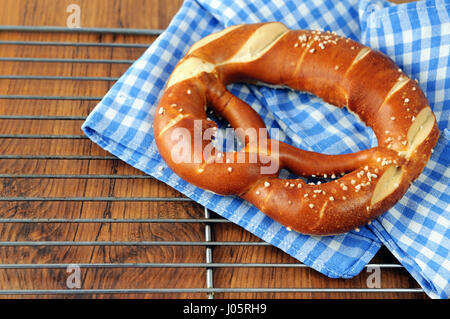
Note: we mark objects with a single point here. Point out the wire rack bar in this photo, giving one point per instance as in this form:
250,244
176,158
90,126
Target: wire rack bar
208,255
20,28
75,176
95,199
57,157
44,136
43,117
112,220
61,60
210,290
40,97
58,78
172,265
77,44
132,243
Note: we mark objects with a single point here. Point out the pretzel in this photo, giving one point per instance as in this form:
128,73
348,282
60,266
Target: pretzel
358,187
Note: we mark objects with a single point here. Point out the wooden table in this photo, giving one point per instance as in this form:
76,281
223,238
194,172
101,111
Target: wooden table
66,201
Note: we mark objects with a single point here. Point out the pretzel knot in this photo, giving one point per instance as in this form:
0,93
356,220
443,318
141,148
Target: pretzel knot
357,187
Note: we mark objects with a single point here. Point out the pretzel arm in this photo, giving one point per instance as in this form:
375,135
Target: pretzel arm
247,122
306,163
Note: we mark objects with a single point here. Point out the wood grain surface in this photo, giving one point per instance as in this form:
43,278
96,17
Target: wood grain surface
64,118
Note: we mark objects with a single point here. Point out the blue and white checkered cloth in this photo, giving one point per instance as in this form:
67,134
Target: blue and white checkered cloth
415,35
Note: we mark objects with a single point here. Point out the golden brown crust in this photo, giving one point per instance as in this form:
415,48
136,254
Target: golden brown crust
338,70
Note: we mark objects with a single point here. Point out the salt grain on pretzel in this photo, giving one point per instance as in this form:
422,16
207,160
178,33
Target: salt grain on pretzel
342,73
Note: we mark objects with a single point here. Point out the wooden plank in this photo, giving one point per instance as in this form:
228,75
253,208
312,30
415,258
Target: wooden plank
153,14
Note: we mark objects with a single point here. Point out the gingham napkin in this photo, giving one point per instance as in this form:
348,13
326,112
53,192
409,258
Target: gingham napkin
415,35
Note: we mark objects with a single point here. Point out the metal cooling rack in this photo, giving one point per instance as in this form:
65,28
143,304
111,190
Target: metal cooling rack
209,243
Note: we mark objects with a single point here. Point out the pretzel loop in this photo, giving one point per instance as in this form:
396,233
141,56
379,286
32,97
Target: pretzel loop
358,187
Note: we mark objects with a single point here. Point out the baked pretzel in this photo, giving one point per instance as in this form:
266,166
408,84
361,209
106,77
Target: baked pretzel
340,71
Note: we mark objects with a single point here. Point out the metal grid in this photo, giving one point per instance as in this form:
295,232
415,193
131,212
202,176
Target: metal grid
209,243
